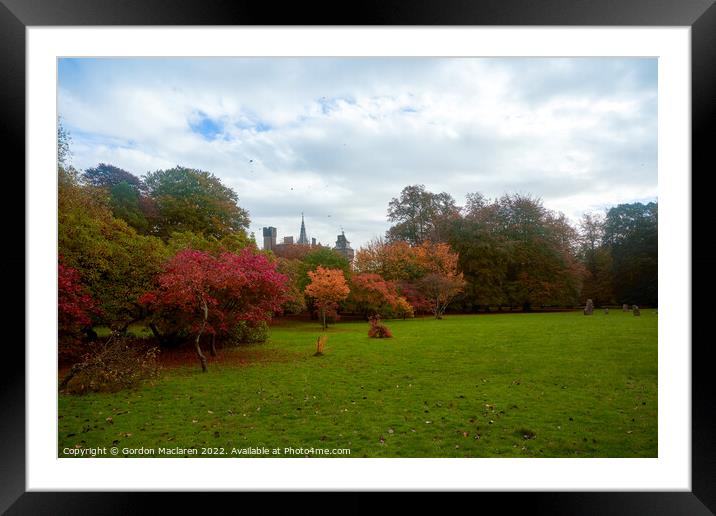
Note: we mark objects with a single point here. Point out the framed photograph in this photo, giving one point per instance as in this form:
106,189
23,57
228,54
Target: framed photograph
416,250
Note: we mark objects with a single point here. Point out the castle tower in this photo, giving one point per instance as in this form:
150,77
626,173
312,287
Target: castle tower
269,238
302,238
343,247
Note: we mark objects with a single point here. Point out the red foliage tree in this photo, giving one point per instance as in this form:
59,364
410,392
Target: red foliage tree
212,294
75,308
415,298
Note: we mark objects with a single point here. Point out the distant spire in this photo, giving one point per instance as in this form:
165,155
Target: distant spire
302,238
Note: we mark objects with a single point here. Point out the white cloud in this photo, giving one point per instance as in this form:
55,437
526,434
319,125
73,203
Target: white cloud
337,138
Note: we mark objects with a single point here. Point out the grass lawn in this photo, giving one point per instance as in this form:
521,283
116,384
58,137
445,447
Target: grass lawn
504,385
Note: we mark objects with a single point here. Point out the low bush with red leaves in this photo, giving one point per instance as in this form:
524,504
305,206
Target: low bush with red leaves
377,329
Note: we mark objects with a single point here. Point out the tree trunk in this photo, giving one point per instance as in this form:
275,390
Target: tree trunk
323,314
91,334
201,356
155,331
213,345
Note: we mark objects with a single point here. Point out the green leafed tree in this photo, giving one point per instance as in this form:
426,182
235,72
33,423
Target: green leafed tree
597,260
419,215
127,196
232,243
322,257
194,200
631,234
107,176
114,262
515,252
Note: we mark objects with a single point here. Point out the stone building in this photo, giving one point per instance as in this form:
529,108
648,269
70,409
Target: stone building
302,238
343,247
269,238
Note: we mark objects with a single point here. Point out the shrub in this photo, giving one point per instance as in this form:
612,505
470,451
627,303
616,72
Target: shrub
377,329
119,363
250,333
75,309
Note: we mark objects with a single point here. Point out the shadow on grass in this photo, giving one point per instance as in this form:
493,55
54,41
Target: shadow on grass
231,357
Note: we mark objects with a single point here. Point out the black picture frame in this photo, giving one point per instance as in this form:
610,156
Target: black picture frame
700,15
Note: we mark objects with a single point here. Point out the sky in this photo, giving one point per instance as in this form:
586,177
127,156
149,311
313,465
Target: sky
337,138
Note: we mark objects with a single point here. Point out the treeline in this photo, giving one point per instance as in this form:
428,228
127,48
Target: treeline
513,252
170,250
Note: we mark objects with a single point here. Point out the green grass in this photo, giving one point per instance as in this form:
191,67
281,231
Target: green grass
512,385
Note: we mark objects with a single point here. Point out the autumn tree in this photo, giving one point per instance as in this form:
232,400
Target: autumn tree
440,290
372,295
185,286
394,261
213,293
443,280
75,309
327,287
326,258
320,257
406,265
411,291
295,302
115,263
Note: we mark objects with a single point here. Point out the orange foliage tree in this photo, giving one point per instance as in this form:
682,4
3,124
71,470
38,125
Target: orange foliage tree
428,274
327,287
443,280
437,258
372,295
395,261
